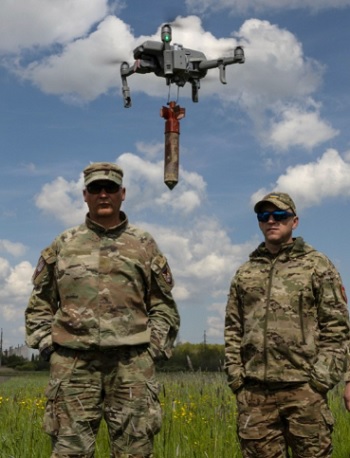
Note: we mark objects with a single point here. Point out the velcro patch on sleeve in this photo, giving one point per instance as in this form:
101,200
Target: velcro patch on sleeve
39,268
163,273
47,257
167,275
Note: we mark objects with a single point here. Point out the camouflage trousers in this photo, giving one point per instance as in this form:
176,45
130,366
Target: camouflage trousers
87,386
271,420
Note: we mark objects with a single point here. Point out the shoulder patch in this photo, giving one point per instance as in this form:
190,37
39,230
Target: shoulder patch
39,268
47,257
167,275
162,272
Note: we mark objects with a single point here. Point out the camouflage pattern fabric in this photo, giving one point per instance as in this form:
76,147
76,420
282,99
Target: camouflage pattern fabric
99,291
266,416
86,386
286,319
286,324
103,171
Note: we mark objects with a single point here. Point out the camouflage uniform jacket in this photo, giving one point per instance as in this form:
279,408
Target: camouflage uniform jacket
97,288
286,319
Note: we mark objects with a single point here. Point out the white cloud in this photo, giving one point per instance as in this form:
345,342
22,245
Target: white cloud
150,150
234,6
216,324
63,200
311,183
143,177
87,67
15,249
4,268
276,84
17,284
296,127
9,312
15,288
28,23
202,257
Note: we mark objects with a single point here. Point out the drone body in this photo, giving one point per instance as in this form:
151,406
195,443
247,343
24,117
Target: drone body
178,65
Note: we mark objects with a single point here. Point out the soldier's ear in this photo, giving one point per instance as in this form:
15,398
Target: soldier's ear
84,194
295,222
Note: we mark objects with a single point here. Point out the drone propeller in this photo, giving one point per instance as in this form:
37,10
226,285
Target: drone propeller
111,60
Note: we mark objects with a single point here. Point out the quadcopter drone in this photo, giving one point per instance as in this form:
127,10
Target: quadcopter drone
178,65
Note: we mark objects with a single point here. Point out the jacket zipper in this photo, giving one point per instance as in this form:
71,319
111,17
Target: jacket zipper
302,328
267,314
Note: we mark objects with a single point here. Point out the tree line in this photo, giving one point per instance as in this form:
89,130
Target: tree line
186,357
195,357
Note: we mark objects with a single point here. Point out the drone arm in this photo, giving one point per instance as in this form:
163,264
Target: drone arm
237,58
195,87
126,94
145,65
125,71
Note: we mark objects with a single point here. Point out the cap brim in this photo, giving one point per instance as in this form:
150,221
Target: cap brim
277,204
103,175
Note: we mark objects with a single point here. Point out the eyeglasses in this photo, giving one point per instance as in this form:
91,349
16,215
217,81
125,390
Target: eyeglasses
109,188
277,215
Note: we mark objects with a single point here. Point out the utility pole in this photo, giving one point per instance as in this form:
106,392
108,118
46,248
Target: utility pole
1,347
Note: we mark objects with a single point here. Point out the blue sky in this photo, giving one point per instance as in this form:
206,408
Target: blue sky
281,122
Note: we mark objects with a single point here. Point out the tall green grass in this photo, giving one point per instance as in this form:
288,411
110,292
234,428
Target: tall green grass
198,419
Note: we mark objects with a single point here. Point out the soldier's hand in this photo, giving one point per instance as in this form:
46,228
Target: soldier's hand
347,396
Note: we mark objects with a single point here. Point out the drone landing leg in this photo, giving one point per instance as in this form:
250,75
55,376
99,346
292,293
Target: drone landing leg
172,115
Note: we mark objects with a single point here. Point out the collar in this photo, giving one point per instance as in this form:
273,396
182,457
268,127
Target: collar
111,230
295,248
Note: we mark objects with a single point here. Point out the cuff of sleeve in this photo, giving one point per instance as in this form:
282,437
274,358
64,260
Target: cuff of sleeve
236,384
319,386
46,352
158,355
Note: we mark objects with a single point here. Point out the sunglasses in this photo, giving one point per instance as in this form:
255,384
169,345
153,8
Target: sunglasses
277,215
109,188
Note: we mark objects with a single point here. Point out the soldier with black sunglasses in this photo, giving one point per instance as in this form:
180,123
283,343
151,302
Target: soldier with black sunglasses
102,312
286,334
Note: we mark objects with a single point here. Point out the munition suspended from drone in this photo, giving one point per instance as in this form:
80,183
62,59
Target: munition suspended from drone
178,65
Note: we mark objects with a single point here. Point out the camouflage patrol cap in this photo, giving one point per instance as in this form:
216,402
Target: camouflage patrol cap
281,200
103,171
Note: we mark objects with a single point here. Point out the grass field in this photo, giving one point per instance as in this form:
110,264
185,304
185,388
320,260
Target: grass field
198,419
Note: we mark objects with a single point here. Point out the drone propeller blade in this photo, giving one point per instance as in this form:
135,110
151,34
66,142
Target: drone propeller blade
112,61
